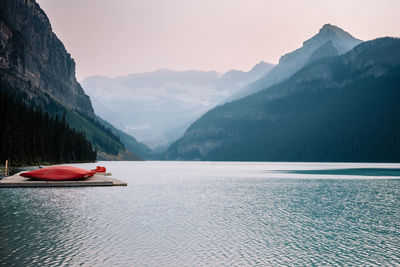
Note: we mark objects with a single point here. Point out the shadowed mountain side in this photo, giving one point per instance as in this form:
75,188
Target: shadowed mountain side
342,108
34,60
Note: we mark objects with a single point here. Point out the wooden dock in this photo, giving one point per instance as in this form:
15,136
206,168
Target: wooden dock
96,180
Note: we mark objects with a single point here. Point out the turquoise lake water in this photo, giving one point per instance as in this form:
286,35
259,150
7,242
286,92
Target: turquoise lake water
209,214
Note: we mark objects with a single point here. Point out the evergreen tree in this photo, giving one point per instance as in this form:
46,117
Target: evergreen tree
28,137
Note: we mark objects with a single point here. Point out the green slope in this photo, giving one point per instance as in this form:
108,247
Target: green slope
129,142
102,138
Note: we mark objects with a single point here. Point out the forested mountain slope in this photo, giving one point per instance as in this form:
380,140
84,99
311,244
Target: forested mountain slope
29,136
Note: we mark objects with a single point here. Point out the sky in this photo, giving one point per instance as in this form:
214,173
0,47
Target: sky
118,37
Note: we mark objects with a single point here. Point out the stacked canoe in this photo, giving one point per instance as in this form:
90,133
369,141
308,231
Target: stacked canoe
62,173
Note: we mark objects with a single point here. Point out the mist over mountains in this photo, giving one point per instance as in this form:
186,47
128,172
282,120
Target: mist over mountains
329,41
157,107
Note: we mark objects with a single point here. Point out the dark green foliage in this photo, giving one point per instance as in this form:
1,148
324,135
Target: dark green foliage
29,136
326,125
102,138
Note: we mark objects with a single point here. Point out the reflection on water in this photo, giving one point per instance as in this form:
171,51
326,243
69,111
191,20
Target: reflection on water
186,213
380,172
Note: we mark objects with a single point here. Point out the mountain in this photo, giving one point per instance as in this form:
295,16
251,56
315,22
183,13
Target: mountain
34,60
130,142
329,41
157,107
342,108
236,79
36,69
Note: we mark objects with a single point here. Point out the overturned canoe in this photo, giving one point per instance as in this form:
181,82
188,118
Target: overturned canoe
58,173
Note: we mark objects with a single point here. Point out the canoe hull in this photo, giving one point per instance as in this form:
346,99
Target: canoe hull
58,173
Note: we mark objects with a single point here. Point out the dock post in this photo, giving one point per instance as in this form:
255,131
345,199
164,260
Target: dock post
6,169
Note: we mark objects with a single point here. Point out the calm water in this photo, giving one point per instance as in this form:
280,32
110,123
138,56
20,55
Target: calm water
207,214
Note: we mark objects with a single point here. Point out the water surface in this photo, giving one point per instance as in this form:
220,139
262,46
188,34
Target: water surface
204,213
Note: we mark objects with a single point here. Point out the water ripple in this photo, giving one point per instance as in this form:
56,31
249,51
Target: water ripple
230,220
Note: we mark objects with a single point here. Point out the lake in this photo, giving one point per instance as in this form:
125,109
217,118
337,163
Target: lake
209,214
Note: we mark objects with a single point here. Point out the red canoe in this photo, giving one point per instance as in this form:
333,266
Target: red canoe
59,173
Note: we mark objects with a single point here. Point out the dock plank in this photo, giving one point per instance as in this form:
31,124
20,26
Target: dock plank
96,180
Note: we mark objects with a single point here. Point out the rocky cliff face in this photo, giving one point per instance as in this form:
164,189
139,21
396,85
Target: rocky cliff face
34,61
36,69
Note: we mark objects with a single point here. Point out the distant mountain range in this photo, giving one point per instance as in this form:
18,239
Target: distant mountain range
333,108
157,107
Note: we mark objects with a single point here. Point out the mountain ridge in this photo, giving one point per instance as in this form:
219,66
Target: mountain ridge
336,109
293,61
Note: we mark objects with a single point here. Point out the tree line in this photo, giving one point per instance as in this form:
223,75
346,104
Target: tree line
29,136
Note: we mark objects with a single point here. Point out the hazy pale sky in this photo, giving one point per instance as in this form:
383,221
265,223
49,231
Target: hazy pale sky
117,37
